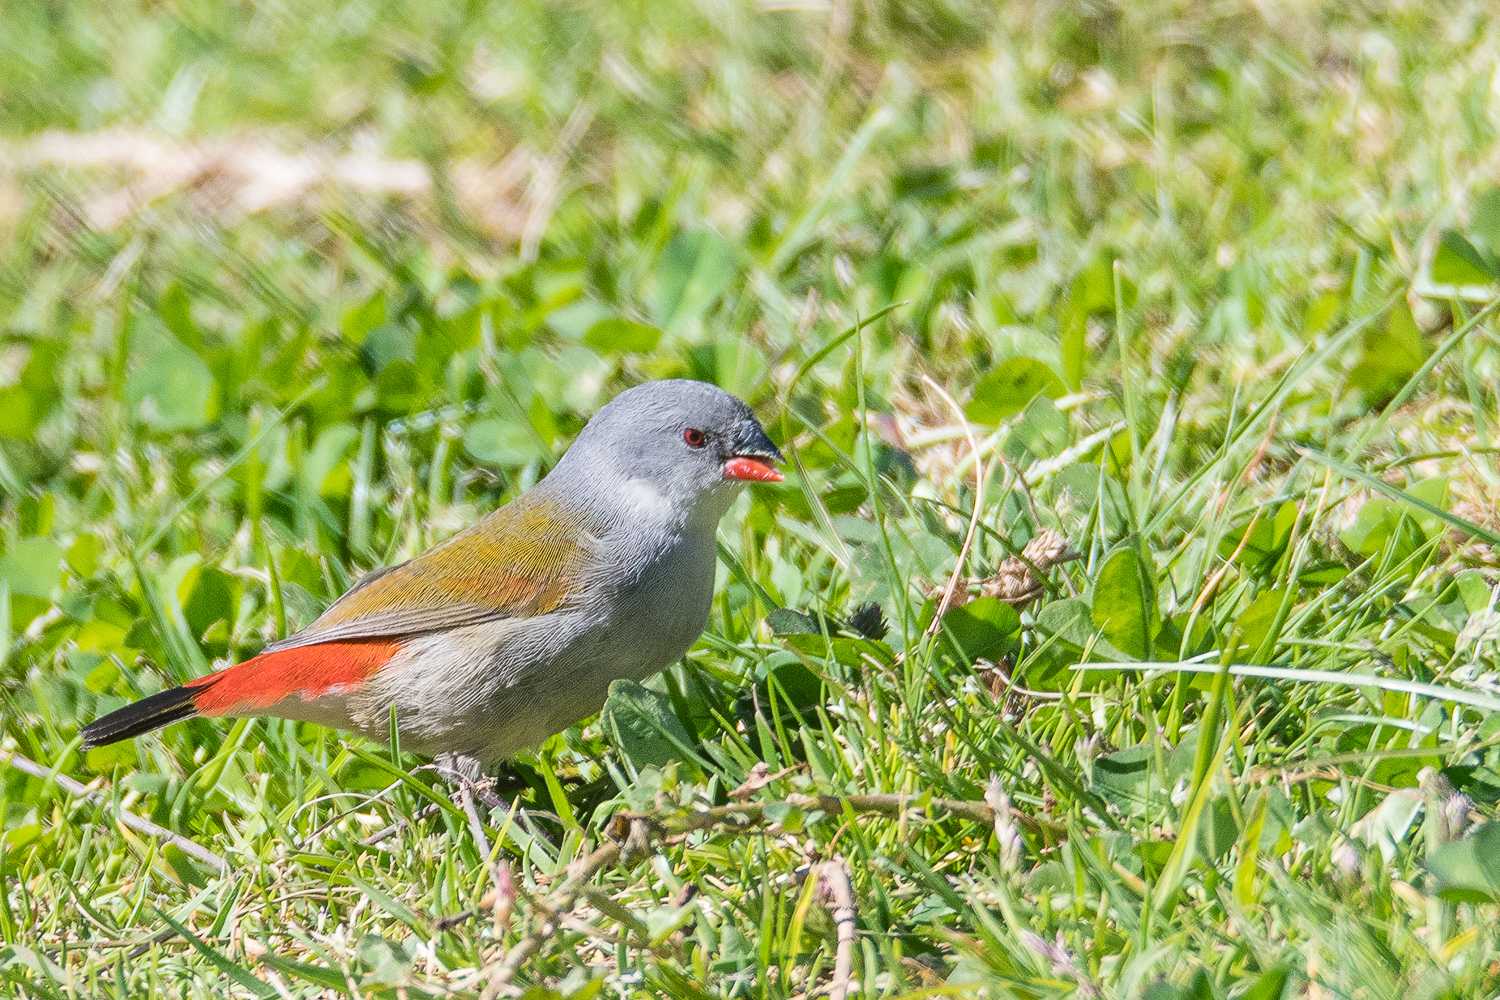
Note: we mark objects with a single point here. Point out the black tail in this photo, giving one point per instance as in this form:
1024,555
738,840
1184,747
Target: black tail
161,709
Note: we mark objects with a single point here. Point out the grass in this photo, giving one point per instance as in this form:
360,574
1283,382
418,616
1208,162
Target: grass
289,294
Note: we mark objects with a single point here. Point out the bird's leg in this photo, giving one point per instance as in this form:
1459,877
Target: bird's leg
468,774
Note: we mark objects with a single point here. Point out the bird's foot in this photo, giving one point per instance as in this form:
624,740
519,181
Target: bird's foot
467,775
473,785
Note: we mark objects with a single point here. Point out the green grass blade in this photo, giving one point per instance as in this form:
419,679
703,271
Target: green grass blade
1396,493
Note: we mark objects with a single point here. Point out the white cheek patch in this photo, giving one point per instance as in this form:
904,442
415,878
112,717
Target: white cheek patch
642,497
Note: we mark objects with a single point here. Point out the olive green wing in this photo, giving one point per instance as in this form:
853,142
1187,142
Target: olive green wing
527,558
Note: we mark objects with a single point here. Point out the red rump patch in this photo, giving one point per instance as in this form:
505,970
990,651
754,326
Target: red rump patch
306,672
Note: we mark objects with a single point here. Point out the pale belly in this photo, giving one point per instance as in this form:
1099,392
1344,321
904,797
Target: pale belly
487,691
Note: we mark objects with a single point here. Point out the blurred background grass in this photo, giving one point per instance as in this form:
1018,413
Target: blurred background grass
293,291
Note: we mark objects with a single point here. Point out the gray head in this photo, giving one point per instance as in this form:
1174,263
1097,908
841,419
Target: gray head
688,441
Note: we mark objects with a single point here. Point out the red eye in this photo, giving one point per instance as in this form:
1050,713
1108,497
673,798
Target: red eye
694,437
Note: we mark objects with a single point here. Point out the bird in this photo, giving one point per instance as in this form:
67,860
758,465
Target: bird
513,629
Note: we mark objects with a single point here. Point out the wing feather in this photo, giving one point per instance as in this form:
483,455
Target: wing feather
527,558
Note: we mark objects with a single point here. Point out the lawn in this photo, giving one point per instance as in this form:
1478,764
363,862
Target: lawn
1136,362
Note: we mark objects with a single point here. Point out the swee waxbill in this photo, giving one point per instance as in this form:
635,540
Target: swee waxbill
512,630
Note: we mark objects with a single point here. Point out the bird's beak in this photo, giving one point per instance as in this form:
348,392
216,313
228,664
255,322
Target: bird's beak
754,456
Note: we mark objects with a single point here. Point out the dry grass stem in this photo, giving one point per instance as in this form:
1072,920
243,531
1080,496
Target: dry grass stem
963,552
834,874
137,823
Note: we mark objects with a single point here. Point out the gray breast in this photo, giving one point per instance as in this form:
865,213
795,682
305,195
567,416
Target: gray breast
660,612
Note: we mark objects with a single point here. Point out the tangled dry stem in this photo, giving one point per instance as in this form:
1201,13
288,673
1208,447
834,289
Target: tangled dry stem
634,832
